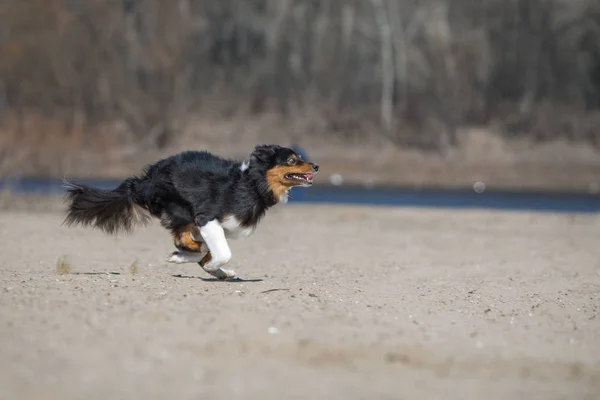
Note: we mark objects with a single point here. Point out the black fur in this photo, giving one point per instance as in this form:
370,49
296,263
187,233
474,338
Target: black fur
192,187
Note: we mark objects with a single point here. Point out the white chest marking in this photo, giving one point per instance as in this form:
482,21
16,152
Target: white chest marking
284,198
233,228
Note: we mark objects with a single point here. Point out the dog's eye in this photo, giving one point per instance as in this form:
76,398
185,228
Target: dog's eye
291,161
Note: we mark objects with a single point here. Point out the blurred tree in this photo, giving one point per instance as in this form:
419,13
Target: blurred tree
416,70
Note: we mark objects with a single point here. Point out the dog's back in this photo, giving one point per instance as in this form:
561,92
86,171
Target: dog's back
167,189
174,187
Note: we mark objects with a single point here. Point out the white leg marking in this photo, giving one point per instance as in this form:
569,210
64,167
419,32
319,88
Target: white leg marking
214,237
182,257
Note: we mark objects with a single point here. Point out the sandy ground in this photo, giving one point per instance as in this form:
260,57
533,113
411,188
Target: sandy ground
334,303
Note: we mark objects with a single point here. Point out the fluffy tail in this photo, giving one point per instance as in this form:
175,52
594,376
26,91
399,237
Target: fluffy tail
109,210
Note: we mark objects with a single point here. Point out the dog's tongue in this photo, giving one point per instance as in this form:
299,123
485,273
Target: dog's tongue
309,176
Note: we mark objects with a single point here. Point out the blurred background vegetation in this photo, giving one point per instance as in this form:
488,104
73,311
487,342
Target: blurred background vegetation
140,75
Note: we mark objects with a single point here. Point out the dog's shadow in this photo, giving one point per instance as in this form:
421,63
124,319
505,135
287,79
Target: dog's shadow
234,280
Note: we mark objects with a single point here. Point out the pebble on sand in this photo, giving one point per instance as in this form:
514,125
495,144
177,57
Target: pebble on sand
272,330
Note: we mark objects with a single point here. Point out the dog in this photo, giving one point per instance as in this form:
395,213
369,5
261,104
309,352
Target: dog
201,198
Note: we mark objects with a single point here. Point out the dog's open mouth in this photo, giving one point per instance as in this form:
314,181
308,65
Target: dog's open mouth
302,178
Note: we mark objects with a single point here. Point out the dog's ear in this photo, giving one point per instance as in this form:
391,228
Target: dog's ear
264,153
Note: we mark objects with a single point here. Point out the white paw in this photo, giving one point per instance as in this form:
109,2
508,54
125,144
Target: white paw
181,257
223,273
176,257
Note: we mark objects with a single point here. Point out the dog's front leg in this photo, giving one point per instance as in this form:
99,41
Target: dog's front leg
219,252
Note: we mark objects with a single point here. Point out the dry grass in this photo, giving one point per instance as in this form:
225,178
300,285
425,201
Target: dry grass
133,268
64,266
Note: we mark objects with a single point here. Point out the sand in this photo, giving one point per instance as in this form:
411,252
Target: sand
333,303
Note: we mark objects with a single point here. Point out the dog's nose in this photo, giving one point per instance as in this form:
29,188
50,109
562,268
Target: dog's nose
315,167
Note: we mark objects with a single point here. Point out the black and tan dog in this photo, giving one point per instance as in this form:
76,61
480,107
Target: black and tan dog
201,198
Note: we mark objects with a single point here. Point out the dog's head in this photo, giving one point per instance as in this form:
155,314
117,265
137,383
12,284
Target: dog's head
284,168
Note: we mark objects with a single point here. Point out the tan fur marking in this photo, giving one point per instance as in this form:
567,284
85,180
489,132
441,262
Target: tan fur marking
183,240
205,259
277,188
276,177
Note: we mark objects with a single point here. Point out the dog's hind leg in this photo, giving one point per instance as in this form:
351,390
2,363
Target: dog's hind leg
187,238
189,247
184,257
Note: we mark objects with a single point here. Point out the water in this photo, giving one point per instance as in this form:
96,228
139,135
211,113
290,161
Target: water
449,199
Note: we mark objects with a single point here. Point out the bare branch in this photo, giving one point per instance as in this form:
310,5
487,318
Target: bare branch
387,64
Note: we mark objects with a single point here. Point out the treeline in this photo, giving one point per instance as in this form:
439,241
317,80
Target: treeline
411,70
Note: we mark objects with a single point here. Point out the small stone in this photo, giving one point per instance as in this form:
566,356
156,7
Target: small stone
479,187
336,179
